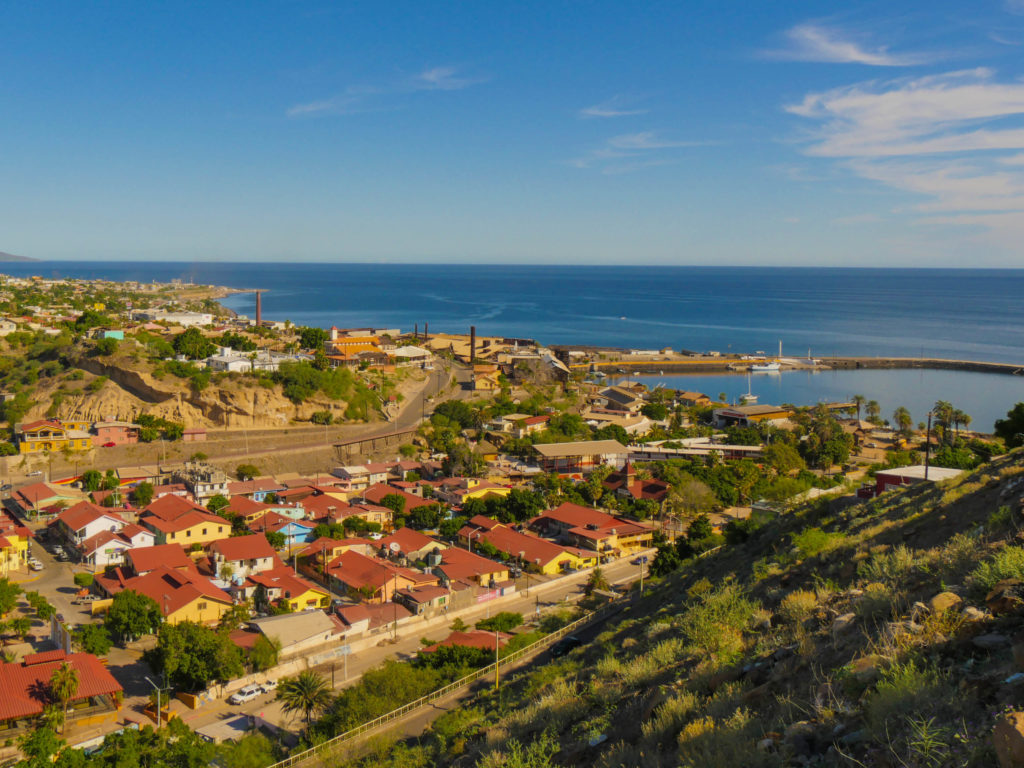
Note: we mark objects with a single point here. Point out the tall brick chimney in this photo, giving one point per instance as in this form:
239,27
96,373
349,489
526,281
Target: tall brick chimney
416,331
472,344
259,307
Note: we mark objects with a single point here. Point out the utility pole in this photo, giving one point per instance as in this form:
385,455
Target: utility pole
928,446
496,680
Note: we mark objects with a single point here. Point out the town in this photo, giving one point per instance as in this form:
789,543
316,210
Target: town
498,493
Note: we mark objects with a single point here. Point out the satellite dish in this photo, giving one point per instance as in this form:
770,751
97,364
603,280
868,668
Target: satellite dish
393,546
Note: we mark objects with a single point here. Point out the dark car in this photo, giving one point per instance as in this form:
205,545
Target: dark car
565,645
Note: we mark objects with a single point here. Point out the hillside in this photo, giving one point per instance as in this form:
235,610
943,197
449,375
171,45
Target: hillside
864,635
12,257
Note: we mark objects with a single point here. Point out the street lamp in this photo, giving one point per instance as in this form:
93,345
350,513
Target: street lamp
158,705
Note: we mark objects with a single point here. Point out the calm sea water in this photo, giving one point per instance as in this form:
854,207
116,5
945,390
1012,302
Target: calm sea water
985,396
964,314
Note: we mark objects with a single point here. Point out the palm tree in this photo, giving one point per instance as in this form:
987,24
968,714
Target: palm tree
64,685
873,409
858,400
901,416
307,692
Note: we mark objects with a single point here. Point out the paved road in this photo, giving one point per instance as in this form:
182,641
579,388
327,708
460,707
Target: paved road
550,594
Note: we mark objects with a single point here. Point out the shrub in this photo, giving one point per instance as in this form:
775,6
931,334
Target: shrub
716,622
893,566
505,621
1008,563
798,605
904,691
84,579
321,417
875,603
814,541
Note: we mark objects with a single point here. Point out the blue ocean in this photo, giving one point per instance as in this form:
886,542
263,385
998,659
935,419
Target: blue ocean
959,314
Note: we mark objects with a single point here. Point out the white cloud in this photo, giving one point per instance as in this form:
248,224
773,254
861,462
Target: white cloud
811,42
614,107
942,138
634,151
443,79
374,98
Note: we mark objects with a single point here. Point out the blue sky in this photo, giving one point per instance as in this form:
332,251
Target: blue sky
790,133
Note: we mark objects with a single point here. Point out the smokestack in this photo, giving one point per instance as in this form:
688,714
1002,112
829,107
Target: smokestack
416,331
259,308
426,331
472,344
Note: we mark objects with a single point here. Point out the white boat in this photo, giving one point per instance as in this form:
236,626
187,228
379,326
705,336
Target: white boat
765,368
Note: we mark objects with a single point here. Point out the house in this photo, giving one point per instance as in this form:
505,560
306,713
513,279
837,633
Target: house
256,489
458,490
182,595
749,415
110,547
693,399
579,457
39,498
247,508
367,618
202,480
107,434
409,544
295,532
324,550
887,479
411,356
534,553
620,399
84,520
372,579
626,484
369,513
486,377
353,479
194,434
26,687
50,435
243,555
590,529
143,560
424,601
461,565
281,584
175,520
14,543
299,632
632,424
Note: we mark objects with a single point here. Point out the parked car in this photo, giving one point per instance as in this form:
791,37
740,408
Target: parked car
34,474
62,556
244,695
268,686
639,560
87,598
565,645
35,565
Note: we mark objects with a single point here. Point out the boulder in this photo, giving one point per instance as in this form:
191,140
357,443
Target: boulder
991,641
844,623
943,602
1008,739
972,615
865,669
1007,596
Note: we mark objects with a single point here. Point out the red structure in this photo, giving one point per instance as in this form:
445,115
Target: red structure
259,308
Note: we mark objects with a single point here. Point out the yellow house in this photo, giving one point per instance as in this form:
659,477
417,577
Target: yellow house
191,527
283,585
13,551
183,595
485,378
51,435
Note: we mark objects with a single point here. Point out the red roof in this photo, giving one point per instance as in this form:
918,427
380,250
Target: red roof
284,579
170,507
536,551
409,540
52,423
359,571
461,564
25,685
85,512
37,492
575,515
172,589
474,638
243,505
375,495
253,547
146,559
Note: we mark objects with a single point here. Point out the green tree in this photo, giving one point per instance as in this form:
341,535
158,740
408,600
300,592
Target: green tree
873,410
194,345
105,347
859,400
655,411
9,592
21,626
247,471
132,615
92,480
322,417
1011,429
94,639
142,494
217,503
39,747
307,693
264,653
783,457
313,338
394,502
234,617
903,420
64,685
276,538
597,581
425,516
505,621
193,655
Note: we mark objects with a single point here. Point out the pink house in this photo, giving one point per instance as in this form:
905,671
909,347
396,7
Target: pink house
194,435
111,433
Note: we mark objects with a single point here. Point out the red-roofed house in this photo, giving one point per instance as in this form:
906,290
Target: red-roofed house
25,687
460,565
534,553
474,638
412,545
371,579
84,520
591,529
375,495
139,562
109,547
281,584
183,595
175,520
244,555
37,497
626,483
424,601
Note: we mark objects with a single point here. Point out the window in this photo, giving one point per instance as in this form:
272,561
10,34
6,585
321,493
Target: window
188,533
204,531
201,606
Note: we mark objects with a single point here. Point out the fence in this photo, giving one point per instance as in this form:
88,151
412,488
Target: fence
472,677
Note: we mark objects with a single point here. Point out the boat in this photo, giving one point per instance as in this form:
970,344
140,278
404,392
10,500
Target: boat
750,398
765,368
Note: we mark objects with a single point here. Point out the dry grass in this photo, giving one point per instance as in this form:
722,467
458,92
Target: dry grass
798,606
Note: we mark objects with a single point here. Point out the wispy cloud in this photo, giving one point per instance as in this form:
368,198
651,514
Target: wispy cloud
630,152
613,107
943,138
1015,6
374,98
812,42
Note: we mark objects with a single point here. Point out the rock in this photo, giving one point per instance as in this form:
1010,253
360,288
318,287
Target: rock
766,744
1006,597
758,695
854,592
844,623
865,669
852,738
972,615
943,602
800,736
1008,739
652,701
990,641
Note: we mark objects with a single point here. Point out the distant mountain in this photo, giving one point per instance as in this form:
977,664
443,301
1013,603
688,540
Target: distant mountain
12,257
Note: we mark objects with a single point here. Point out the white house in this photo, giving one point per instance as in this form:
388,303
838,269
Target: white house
245,555
108,547
84,520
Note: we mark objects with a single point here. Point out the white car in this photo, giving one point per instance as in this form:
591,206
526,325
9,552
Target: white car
35,565
268,685
244,695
